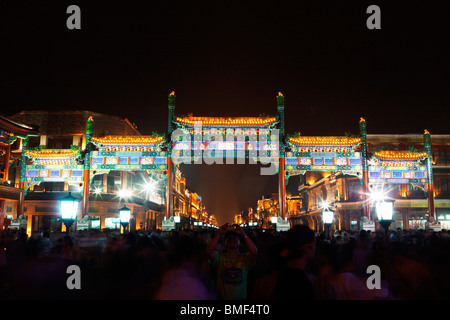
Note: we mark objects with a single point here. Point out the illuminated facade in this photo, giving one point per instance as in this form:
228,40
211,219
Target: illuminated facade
268,208
345,193
188,205
12,134
57,147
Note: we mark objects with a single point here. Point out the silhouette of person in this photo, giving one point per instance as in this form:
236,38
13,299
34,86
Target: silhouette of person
292,282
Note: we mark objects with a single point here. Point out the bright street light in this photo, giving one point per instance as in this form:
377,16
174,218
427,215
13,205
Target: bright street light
149,186
325,205
69,208
327,218
377,194
124,215
384,210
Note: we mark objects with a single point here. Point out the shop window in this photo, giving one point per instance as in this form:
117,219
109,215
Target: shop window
442,155
97,181
42,223
95,222
113,182
417,224
354,190
442,185
112,222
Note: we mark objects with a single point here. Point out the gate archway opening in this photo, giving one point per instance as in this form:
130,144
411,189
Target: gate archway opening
229,190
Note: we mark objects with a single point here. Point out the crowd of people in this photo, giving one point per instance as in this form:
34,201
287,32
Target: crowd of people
229,264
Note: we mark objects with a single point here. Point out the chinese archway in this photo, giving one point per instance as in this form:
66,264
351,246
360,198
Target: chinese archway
212,139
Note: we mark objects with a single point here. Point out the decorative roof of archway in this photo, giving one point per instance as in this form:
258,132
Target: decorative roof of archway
127,140
399,155
324,141
227,121
53,153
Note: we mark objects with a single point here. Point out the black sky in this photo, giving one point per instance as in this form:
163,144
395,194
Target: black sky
230,58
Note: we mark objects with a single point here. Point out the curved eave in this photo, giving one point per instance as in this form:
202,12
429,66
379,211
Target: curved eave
48,154
127,141
219,122
399,156
325,141
18,129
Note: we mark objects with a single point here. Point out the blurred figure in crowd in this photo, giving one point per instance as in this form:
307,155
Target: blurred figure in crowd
293,282
232,266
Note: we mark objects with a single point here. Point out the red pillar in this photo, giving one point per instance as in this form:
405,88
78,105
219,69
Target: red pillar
169,188
5,178
430,185
365,167
21,204
6,163
366,206
431,207
282,186
85,199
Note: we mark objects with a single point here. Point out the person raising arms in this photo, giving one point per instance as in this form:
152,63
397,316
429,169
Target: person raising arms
232,266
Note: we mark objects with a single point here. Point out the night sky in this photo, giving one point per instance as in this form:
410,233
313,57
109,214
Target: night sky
230,58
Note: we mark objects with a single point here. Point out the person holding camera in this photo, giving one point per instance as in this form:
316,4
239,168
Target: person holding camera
232,266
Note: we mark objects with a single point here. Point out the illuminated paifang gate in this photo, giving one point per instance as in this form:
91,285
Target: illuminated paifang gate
53,165
100,156
210,139
335,154
349,156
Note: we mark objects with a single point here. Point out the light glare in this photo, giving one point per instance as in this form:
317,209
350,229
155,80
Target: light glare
124,193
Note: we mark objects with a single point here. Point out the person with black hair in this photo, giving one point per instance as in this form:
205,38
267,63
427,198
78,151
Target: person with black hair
292,282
